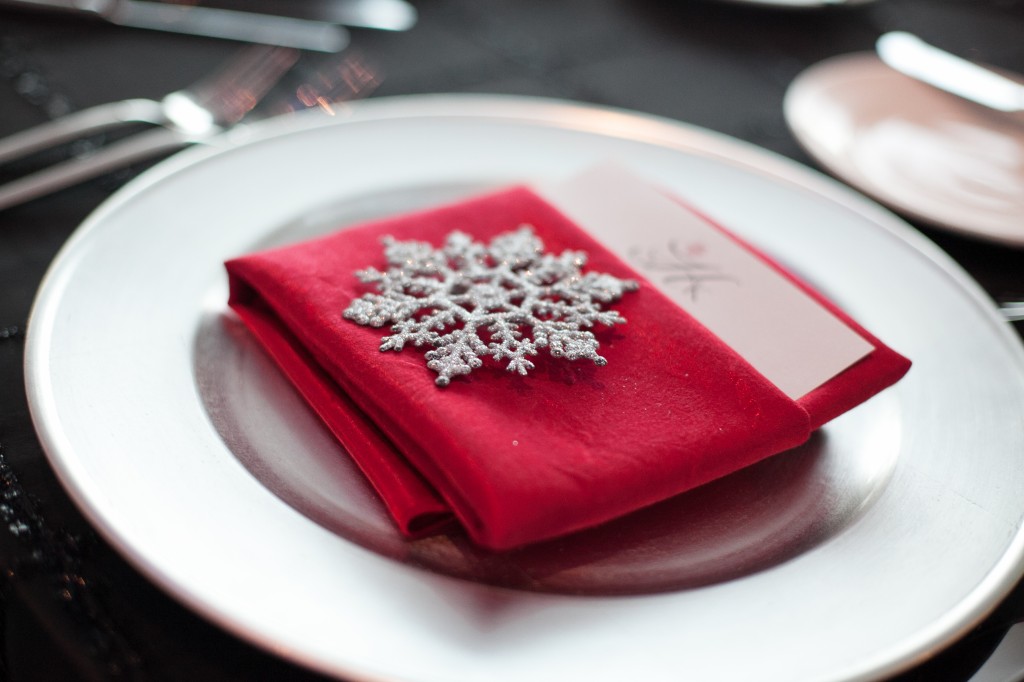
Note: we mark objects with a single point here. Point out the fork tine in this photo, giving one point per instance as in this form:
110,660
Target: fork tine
192,115
238,86
76,125
224,96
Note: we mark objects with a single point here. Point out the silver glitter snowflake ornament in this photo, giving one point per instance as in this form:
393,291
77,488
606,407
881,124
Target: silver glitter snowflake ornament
468,300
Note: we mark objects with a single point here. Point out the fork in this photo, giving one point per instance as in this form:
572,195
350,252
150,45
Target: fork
184,117
1013,311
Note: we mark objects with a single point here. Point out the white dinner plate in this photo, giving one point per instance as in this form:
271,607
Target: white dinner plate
893,532
924,152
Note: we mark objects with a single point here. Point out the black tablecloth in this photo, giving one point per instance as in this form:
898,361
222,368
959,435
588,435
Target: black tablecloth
71,607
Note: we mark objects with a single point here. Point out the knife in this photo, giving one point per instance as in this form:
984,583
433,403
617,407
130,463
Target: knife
268,29
381,15
913,57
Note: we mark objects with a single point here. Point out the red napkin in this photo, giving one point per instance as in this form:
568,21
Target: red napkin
522,459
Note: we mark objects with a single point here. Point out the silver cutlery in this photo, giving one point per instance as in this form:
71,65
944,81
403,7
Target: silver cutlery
382,15
1006,664
187,116
211,22
1013,311
913,57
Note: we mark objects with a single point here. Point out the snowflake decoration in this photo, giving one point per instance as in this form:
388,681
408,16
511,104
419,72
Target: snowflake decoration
468,300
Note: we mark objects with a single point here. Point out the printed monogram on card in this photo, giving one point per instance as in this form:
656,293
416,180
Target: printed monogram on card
682,268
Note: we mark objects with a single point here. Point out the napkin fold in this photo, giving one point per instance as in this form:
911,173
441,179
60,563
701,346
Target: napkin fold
515,459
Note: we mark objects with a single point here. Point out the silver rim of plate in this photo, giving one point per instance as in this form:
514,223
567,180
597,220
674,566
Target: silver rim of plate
933,546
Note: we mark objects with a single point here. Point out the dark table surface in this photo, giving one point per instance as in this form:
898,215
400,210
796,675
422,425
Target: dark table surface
70,607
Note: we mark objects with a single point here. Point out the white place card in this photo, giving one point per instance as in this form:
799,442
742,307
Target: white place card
782,332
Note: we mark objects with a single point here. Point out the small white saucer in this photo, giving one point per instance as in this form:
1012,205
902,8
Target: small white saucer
928,154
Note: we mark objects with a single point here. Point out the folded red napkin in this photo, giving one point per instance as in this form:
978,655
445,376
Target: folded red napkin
519,459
